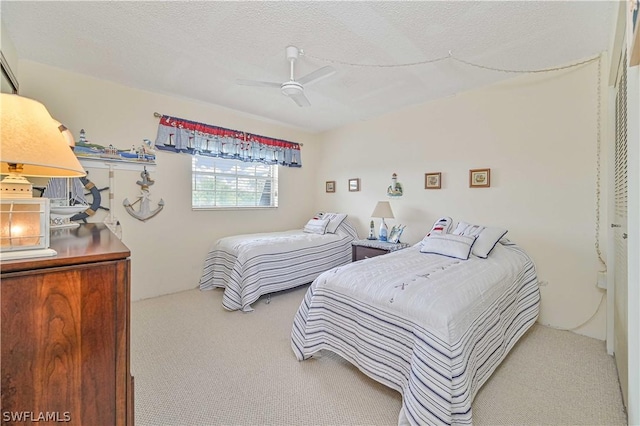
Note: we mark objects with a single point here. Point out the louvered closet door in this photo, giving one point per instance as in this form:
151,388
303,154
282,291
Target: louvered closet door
620,229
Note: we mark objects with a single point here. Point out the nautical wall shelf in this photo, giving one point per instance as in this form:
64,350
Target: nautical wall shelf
102,163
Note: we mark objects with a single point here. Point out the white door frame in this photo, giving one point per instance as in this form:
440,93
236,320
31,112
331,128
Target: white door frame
633,247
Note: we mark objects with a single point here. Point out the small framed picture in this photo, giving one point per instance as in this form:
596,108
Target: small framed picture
330,186
394,234
432,180
354,184
479,178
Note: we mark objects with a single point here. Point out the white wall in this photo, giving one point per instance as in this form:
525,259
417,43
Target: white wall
538,136
8,49
168,251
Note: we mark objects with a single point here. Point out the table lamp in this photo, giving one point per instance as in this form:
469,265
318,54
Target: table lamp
382,210
31,144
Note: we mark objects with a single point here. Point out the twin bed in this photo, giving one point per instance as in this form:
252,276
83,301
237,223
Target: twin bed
425,321
249,266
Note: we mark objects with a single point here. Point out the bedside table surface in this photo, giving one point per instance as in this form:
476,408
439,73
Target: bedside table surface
383,245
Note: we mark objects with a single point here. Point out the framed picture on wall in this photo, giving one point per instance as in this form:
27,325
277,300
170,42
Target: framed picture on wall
479,178
354,184
330,186
432,180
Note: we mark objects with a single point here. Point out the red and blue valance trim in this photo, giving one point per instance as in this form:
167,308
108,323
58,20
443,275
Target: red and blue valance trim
186,136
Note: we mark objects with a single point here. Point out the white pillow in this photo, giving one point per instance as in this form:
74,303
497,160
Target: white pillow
335,219
316,226
441,226
458,246
486,237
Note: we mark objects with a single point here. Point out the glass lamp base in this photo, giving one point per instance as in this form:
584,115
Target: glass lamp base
383,231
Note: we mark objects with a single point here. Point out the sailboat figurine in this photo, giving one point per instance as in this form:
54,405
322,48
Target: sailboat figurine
68,202
67,199
144,213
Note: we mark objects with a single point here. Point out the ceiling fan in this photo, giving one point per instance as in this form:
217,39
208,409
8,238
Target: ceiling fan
293,88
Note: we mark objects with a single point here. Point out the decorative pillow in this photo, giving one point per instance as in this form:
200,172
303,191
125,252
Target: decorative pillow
458,246
441,226
316,226
335,219
486,237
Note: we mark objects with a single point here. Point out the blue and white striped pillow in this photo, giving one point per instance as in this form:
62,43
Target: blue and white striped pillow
458,246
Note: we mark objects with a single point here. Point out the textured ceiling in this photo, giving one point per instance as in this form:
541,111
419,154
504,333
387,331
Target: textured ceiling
198,49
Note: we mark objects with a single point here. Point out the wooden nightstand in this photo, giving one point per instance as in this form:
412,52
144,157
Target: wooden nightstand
364,249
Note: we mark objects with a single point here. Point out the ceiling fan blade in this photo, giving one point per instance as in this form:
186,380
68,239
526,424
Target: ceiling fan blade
258,83
317,75
301,100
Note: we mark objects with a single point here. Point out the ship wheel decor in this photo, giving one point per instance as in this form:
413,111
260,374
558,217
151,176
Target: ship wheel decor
94,191
69,201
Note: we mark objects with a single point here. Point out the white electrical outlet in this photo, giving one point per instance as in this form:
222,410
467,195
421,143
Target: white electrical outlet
602,280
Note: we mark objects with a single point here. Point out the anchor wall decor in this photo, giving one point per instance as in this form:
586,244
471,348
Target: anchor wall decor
144,213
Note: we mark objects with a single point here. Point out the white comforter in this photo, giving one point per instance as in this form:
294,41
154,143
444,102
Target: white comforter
248,266
432,327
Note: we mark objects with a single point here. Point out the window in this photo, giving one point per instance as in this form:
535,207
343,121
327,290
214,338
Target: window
221,183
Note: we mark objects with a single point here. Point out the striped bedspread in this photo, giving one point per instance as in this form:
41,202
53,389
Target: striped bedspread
248,266
432,327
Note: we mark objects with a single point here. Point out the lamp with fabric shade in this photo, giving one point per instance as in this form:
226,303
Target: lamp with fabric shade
383,210
31,144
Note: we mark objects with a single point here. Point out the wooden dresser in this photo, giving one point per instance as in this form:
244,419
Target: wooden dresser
65,332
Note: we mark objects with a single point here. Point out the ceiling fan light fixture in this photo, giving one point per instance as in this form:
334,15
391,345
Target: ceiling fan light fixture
291,88
294,89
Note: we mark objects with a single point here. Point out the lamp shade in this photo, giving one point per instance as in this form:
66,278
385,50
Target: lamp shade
30,137
383,210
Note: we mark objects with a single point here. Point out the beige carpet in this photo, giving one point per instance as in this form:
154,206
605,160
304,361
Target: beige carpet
196,364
